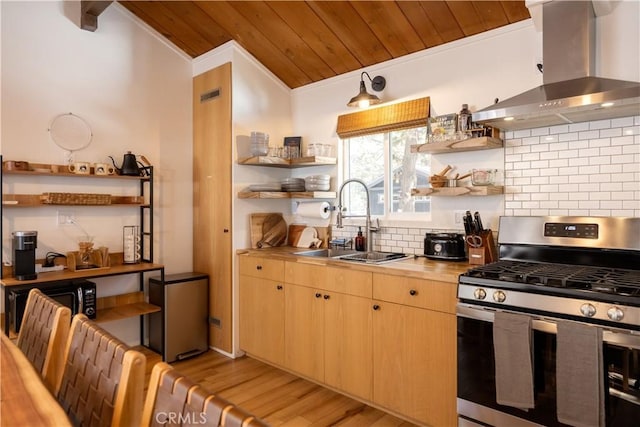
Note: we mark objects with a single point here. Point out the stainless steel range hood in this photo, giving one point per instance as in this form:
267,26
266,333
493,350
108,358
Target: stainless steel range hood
570,93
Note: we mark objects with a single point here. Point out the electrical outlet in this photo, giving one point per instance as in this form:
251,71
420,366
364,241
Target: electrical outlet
66,217
458,215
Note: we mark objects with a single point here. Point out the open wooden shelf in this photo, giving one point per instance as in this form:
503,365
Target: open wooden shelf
279,162
123,306
286,195
114,270
452,146
35,200
44,169
488,190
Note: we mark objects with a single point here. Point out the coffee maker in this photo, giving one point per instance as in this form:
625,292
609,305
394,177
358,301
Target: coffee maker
24,254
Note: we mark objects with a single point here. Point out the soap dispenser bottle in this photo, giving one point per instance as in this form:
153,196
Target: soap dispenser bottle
360,240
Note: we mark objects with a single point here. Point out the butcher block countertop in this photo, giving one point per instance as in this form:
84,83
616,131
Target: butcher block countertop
418,267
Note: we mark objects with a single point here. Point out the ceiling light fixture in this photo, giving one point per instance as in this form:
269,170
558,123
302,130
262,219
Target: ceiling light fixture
364,99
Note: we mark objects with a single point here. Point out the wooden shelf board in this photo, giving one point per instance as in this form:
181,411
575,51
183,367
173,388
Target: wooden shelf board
36,200
125,311
286,195
278,162
488,190
114,270
38,169
470,144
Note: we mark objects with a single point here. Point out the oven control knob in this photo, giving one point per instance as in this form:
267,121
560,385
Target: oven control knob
499,296
588,310
615,314
479,293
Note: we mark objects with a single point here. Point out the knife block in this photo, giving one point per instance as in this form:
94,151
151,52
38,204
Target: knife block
486,253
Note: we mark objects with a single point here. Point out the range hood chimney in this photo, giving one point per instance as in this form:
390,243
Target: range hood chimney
570,93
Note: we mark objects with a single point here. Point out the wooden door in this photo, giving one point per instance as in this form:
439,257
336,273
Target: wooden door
348,344
262,318
414,362
304,331
212,158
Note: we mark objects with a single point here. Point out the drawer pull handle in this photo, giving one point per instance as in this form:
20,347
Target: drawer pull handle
318,295
258,267
327,297
376,307
413,292
279,287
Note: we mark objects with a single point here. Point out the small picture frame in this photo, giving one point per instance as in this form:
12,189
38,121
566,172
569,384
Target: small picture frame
293,145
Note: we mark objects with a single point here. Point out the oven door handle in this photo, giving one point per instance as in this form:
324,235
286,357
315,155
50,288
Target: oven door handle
620,337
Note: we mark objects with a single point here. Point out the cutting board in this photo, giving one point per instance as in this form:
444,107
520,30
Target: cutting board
295,230
269,226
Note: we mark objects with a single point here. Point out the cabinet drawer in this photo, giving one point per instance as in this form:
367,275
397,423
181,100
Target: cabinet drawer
343,280
423,293
262,268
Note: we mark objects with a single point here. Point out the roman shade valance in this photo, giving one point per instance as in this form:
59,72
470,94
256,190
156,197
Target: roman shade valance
403,115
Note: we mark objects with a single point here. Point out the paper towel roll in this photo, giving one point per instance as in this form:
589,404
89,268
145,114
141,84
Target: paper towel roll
320,210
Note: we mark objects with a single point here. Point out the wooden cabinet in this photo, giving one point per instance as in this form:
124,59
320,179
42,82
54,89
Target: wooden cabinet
262,308
414,349
328,324
212,195
388,340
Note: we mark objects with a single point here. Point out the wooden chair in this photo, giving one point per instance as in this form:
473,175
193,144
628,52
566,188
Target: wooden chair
173,399
103,380
43,334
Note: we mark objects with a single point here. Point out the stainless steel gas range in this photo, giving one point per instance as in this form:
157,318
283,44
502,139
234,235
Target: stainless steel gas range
553,326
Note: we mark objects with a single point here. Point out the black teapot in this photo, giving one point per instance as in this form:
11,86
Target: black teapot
129,166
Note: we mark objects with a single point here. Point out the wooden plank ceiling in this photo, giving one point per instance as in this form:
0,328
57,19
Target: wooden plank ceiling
302,42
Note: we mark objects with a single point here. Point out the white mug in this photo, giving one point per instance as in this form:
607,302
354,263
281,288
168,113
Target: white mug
103,169
81,168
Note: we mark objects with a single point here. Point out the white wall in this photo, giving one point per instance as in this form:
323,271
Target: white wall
135,92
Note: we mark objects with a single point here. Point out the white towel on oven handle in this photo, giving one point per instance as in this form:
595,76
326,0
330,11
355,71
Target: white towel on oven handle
580,375
512,346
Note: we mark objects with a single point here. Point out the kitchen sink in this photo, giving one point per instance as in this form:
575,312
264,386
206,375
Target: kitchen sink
374,257
354,256
326,253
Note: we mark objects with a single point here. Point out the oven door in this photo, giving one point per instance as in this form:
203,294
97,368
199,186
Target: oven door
476,373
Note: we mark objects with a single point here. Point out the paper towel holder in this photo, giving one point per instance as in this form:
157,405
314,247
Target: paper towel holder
324,210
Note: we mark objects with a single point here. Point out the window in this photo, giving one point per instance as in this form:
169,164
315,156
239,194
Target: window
386,165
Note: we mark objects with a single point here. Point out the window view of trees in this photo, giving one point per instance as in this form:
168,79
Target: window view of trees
385,163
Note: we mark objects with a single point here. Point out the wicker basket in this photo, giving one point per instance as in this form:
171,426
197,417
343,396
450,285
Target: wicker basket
76,199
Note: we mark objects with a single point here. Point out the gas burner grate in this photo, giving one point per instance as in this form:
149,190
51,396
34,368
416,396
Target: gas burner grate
597,279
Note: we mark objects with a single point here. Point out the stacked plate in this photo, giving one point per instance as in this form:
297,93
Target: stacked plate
293,184
317,183
276,186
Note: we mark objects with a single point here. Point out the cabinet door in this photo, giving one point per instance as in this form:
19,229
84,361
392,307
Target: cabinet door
348,346
262,318
414,362
304,331
212,196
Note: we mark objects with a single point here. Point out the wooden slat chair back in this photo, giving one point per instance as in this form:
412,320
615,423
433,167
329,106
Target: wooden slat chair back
43,334
103,380
173,399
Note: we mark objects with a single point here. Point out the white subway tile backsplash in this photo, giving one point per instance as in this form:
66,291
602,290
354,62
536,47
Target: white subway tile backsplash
577,127
590,168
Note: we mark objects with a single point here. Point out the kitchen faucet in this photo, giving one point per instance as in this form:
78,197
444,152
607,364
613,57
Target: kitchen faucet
368,228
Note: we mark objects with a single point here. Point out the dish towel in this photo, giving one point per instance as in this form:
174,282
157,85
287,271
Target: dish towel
579,375
514,368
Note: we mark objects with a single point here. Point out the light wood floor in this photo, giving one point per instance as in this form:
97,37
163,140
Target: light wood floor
276,396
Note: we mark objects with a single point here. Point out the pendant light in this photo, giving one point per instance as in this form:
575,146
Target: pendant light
365,99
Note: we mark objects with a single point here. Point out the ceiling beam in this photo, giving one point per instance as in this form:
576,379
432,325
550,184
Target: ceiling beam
89,12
